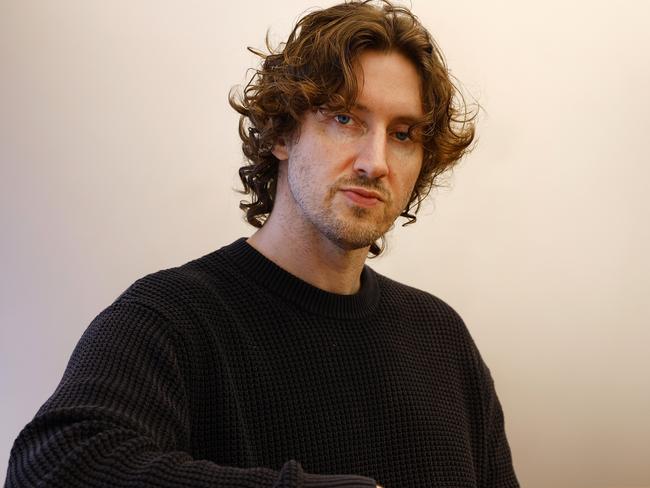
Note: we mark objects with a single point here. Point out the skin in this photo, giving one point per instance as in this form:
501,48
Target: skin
345,177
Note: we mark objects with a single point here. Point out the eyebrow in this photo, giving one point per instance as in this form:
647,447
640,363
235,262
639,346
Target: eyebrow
410,119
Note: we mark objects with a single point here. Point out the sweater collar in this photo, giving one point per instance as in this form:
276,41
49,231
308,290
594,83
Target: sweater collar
284,284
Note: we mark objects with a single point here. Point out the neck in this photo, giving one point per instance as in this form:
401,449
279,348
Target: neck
312,258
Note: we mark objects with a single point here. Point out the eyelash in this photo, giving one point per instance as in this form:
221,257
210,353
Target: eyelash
349,119
336,117
406,133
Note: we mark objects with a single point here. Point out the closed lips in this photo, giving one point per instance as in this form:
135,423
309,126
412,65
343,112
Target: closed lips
364,193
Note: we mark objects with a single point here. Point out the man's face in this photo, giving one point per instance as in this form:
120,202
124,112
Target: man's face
350,175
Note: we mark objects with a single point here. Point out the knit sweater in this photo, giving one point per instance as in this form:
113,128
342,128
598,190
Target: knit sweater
229,371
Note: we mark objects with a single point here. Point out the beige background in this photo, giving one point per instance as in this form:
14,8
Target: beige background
118,157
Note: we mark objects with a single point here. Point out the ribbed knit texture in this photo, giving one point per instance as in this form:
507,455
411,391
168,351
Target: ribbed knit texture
230,372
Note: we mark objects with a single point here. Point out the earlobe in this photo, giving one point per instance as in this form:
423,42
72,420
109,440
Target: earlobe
280,149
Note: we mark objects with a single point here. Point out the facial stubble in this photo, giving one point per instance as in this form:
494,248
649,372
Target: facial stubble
360,228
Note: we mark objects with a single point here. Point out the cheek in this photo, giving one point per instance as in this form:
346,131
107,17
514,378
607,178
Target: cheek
407,184
411,178
304,175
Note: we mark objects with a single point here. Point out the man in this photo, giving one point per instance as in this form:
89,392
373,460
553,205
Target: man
282,360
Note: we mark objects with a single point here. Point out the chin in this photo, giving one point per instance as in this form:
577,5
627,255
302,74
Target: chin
351,239
351,228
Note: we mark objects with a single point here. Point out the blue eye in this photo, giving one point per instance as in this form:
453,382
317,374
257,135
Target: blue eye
402,136
343,119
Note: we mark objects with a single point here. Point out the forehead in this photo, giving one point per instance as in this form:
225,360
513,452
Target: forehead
388,84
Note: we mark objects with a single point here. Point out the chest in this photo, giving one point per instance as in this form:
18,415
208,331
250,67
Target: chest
391,403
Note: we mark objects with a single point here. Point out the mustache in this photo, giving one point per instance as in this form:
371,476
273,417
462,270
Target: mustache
362,182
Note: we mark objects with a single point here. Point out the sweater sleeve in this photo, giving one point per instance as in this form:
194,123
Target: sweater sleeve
120,417
499,472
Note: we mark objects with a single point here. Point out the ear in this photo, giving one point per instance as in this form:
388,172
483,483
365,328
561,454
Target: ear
280,150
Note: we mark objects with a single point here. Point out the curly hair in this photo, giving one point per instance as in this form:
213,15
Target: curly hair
315,67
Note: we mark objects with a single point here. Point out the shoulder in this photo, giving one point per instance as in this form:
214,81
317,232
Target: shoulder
435,324
166,314
178,291
408,298
426,316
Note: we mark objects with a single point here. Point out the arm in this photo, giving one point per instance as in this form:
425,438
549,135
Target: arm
499,472
120,417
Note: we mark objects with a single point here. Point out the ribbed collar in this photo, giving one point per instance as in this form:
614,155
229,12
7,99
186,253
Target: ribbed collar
282,283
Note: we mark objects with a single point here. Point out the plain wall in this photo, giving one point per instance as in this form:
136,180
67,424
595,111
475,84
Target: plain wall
119,155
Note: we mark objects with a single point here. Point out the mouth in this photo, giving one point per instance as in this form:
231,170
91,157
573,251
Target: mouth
362,197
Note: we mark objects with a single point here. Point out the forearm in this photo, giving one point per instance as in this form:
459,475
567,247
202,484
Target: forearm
121,417
94,454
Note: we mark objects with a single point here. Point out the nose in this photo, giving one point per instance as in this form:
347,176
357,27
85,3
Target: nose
371,159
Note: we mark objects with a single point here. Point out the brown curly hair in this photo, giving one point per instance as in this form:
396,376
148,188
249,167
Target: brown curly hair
315,67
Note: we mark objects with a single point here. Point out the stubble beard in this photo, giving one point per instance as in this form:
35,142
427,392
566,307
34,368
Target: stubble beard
349,227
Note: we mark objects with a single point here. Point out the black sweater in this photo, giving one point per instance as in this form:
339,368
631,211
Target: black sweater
230,372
